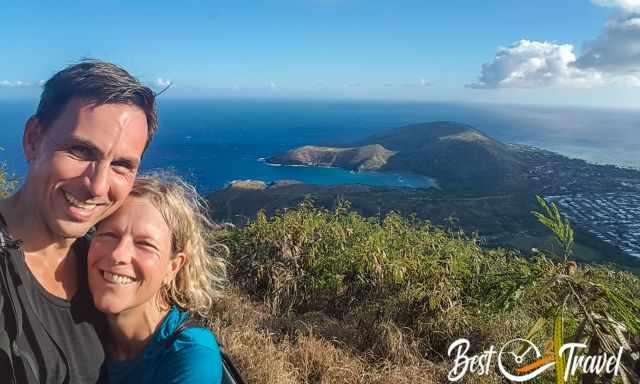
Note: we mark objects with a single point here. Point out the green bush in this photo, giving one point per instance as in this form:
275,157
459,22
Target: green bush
435,285
376,269
7,183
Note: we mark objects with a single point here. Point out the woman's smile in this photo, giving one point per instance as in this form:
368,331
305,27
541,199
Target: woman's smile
130,258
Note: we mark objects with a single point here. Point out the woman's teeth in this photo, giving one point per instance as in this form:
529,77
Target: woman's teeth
117,279
77,203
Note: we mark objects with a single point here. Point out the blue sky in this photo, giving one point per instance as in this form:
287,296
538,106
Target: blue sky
568,52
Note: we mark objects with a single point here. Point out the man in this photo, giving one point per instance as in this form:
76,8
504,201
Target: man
83,147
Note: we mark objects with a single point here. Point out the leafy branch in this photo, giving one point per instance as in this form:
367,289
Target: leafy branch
596,310
561,228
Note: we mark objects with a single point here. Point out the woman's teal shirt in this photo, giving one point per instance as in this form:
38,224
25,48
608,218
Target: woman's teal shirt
193,357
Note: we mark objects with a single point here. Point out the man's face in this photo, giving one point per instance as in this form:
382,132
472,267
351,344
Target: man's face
83,166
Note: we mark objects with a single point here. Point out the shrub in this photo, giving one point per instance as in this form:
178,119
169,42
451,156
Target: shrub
7,183
410,288
387,270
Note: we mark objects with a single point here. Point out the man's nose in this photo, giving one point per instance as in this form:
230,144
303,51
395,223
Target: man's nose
97,179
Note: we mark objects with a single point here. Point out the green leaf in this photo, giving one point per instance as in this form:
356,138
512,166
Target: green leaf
561,228
537,327
557,344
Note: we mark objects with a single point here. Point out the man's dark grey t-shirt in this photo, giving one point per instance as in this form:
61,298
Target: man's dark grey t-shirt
62,338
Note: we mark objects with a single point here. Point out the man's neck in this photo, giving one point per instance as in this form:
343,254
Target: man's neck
26,223
47,256
132,329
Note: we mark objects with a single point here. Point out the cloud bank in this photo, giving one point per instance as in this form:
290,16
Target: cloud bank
420,83
613,58
529,64
625,5
14,84
617,49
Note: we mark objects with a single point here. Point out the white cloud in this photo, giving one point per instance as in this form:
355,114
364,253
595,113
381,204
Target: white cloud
162,83
626,5
612,58
617,49
14,84
422,82
530,64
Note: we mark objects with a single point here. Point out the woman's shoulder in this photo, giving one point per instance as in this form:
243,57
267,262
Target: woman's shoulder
193,356
180,329
196,337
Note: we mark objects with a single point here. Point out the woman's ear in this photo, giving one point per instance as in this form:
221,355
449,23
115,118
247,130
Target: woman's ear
32,138
174,266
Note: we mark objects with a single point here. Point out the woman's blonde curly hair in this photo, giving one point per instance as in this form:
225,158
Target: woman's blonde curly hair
201,280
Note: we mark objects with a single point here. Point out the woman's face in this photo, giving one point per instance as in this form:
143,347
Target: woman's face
130,258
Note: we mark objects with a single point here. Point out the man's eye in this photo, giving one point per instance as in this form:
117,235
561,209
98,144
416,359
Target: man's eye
80,152
122,166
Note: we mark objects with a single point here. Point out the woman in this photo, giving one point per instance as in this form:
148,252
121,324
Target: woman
150,268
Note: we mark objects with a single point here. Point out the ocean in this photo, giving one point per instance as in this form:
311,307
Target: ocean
212,142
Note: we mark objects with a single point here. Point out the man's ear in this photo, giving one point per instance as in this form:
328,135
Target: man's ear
175,265
32,138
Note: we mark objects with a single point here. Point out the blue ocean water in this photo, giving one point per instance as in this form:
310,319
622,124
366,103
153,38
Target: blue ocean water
212,142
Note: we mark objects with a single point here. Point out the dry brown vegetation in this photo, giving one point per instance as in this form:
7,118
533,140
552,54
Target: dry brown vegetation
332,297
314,348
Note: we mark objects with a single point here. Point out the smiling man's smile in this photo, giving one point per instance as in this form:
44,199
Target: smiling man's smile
77,203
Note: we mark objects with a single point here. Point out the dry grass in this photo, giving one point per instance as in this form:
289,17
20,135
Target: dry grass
315,348
333,297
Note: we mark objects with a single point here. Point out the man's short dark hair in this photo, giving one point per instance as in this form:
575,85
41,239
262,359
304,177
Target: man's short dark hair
99,83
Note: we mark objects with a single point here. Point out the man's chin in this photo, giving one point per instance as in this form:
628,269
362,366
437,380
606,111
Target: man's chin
72,230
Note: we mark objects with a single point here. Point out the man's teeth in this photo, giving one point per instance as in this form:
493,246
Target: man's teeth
117,279
77,203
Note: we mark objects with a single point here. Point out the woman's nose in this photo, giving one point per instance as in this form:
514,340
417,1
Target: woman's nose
123,251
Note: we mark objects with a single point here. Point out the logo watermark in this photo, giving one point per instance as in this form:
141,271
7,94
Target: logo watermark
520,360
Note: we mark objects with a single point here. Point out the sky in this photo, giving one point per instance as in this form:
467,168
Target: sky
543,52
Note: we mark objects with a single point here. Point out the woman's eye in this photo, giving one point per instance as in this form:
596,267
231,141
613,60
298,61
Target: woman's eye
146,244
107,235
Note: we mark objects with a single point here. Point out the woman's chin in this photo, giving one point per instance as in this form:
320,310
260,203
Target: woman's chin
108,307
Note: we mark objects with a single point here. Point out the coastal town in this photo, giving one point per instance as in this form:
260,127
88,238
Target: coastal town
550,173
613,217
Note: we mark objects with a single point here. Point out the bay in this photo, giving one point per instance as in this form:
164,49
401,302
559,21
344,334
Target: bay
212,142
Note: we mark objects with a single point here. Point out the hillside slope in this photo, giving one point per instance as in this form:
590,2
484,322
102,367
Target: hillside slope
365,158
457,155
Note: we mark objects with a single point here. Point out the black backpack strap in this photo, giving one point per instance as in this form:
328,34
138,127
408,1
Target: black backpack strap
6,351
230,374
14,361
